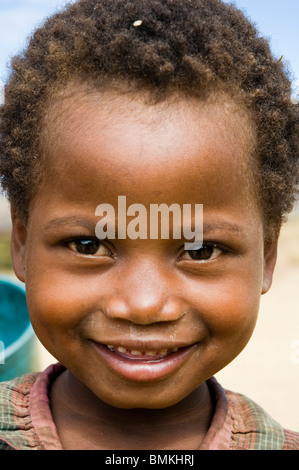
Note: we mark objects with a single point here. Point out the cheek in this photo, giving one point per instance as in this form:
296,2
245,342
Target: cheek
229,308
236,316
233,318
56,308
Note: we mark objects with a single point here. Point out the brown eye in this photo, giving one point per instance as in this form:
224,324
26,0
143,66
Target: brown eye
204,253
89,248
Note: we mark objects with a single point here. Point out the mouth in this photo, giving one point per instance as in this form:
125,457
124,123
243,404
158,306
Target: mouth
147,355
143,364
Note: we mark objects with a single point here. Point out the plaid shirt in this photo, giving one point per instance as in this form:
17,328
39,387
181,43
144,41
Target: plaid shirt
238,423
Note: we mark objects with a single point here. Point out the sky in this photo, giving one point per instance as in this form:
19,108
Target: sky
275,19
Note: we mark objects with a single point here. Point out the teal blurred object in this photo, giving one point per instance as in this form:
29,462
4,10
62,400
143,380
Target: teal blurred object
17,338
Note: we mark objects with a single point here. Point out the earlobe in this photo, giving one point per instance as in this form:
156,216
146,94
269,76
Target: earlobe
18,246
270,257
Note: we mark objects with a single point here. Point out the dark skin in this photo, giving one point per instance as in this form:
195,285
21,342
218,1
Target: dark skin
142,295
95,425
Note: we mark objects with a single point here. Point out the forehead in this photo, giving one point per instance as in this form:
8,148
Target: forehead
126,141
97,114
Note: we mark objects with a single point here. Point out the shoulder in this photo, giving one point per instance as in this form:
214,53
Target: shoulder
16,429
253,428
291,440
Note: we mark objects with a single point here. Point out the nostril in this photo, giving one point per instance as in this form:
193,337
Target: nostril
144,311
172,310
117,308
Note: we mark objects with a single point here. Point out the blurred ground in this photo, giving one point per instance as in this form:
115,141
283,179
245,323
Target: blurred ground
268,369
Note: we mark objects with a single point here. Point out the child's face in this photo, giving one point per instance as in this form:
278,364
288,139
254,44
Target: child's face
146,297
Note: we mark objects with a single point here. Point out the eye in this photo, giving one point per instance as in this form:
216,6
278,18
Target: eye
89,247
204,253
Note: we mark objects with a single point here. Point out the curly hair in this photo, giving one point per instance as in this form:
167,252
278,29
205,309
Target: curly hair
194,46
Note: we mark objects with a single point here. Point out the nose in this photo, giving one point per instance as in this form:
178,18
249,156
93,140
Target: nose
144,296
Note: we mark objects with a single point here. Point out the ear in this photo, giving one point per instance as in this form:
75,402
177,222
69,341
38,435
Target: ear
18,245
270,257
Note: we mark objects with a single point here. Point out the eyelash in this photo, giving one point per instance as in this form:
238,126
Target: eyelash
209,248
94,242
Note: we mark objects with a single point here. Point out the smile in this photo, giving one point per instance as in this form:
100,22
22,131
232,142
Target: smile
143,365
142,355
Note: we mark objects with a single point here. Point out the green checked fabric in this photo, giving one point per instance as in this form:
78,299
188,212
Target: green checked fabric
252,428
238,423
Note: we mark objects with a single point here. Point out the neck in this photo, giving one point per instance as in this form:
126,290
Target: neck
82,419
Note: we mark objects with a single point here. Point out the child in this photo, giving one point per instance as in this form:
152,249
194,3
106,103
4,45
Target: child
148,102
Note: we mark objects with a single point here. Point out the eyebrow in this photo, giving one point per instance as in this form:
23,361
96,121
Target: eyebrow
90,225
227,226
70,221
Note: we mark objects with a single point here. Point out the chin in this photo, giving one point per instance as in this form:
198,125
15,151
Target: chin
143,399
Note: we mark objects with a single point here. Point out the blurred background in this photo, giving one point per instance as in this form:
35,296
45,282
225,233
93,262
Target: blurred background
268,369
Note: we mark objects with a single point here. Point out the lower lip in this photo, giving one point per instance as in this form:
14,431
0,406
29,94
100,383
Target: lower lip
139,370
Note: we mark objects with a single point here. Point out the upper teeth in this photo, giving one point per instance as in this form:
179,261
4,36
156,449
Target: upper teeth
135,352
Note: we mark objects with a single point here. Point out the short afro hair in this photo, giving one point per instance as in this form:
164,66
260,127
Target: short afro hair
194,46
